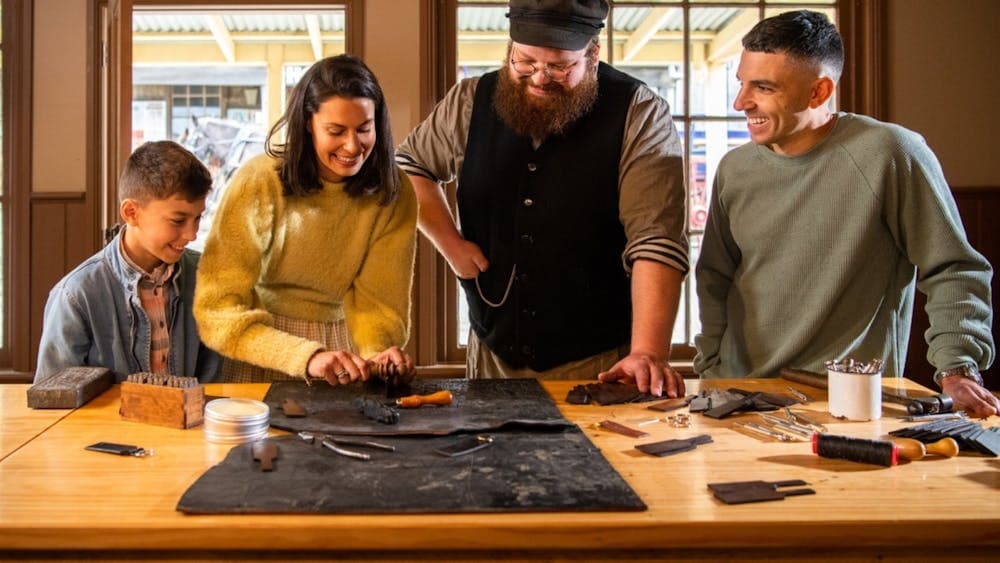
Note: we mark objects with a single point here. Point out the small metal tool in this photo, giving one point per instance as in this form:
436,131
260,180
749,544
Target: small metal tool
787,427
936,404
346,453
802,397
940,416
764,430
647,421
466,445
803,420
360,442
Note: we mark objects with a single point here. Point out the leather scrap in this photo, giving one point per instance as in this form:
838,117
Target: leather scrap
479,405
671,447
524,470
621,429
608,394
292,408
740,492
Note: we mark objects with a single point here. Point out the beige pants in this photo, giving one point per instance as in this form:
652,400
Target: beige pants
482,363
332,335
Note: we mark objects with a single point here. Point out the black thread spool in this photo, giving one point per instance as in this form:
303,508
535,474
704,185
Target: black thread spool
876,452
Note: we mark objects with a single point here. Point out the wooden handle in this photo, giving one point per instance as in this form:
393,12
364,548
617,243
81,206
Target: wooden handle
915,449
946,447
910,449
804,377
439,398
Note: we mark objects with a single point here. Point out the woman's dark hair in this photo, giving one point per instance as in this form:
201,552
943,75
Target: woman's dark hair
344,76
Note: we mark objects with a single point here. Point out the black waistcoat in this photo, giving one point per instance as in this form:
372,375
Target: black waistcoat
552,212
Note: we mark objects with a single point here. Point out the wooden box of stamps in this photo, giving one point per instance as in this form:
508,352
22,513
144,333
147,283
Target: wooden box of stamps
177,402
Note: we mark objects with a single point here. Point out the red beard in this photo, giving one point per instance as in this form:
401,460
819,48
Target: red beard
541,117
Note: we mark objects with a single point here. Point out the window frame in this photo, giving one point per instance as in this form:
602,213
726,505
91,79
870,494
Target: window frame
118,82
861,90
15,357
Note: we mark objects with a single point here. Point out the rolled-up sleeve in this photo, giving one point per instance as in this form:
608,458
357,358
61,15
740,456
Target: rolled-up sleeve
652,197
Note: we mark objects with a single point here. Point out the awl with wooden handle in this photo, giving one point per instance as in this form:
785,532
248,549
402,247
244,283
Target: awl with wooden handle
439,398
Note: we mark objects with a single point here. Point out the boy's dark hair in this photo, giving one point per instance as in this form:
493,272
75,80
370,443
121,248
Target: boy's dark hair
802,34
160,169
344,76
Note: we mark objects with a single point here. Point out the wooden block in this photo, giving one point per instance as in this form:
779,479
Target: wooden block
70,387
163,406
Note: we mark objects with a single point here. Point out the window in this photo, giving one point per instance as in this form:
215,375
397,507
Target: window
687,52
215,79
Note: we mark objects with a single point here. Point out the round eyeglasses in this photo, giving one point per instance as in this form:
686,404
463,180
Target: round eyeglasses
554,72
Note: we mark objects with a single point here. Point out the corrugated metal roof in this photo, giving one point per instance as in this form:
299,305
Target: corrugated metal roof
478,18
144,21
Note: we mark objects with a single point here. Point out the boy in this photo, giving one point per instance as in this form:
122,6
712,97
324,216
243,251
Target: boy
128,307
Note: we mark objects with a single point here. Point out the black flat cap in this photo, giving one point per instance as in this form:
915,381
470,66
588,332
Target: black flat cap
556,24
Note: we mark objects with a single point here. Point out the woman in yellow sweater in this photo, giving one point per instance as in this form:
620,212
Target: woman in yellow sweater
308,265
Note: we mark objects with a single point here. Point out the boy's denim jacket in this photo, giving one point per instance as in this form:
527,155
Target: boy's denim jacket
93,317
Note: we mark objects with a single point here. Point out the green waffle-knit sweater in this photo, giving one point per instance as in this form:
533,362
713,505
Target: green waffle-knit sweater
814,257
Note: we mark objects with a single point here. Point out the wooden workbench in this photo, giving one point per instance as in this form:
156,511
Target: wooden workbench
21,424
57,497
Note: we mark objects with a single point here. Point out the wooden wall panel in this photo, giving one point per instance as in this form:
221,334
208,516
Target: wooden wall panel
59,242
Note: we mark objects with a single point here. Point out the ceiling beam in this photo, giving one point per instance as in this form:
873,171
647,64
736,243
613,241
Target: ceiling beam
222,37
312,24
728,41
645,31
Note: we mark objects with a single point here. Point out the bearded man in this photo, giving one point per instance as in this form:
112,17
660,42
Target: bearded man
571,204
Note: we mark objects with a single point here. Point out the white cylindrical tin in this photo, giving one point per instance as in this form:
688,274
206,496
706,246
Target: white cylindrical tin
234,420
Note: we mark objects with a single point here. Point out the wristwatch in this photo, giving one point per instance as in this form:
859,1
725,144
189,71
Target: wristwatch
966,371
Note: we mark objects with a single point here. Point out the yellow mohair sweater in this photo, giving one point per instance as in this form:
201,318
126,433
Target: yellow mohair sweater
319,258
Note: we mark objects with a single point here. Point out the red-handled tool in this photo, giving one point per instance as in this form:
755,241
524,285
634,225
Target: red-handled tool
439,398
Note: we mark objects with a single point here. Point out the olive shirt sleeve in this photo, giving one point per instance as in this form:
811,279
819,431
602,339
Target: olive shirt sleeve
435,149
377,304
652,198
231,318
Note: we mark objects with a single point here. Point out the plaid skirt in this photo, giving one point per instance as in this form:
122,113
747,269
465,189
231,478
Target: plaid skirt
332,336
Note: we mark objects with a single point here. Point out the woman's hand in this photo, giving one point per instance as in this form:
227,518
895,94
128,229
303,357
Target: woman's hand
337,367
397,357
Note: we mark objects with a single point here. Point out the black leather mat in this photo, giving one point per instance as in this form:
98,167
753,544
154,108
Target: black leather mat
478,405
522,470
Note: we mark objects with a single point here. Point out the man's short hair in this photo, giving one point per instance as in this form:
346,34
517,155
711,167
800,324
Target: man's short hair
159,170
804,35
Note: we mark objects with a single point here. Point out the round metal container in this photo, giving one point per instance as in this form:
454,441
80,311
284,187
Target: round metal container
230,421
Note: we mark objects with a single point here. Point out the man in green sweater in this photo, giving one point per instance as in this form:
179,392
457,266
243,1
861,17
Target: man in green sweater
820,229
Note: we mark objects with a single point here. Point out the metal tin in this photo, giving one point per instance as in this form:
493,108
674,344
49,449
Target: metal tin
233,420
